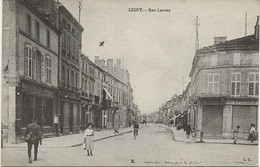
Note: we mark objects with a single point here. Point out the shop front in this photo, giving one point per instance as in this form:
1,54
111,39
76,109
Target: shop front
35,100
69,112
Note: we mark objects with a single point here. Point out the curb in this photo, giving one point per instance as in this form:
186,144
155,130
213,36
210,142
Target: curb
74,145
205,142
103,138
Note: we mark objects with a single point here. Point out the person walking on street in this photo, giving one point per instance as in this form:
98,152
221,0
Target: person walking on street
136,128
33,136
188,130
88,139
252,135
236,131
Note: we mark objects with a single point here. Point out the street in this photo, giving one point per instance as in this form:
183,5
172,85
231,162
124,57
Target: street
153,147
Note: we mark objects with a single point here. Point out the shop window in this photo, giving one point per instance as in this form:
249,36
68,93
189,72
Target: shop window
235,84
253,84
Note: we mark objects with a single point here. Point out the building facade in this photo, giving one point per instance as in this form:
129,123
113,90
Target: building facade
224,86
30,81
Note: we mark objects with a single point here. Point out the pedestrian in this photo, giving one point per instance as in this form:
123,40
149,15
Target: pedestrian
194,135
136,128
188,130
235,133
88,139
33,136
252,133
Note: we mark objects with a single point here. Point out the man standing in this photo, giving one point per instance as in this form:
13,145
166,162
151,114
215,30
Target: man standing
33,135
136,128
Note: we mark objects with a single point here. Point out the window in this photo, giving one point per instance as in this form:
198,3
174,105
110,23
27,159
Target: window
34,64
68,46
76,86
37,31
64,23
28,61
63,71
42,67
69,27
214,60
72,79
48,69
236,60
82,83
255,58
38,65
29,25
253,84
63,44
213,83
249,59
48,39
68,77
235,84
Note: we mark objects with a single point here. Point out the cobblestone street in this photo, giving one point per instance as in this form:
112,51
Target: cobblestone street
151,142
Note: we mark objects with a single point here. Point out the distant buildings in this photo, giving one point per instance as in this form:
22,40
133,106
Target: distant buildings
223,91
47,76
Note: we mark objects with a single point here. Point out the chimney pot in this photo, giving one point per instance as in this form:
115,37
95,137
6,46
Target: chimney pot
218,40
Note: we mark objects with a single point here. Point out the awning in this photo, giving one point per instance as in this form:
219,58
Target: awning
108,93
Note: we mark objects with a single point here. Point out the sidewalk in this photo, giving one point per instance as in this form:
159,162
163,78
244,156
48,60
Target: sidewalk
72,140
180,136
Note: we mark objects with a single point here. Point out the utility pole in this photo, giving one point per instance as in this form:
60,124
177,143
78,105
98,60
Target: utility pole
246,24
80,5
182,83
197,33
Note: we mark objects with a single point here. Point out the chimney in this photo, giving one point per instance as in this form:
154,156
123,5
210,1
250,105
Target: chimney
118,61
257,29
218,40
97,60
110,65
102,63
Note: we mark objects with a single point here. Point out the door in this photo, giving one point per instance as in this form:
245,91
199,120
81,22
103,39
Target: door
212,120
39,110
244,116
62,116
71,117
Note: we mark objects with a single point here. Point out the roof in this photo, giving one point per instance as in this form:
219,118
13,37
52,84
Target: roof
239,43
210,95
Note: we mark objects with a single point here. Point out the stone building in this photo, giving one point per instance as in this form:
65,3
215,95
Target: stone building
30,61
224,86
69,70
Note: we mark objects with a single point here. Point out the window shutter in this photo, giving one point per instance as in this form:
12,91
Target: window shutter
26,60
42,66
38,65
34,64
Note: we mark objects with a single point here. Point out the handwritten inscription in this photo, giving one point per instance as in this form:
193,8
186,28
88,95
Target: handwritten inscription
174,162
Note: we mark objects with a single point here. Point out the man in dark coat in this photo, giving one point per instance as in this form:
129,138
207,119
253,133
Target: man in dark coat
136,128
36,137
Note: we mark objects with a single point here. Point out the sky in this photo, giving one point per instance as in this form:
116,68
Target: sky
157,48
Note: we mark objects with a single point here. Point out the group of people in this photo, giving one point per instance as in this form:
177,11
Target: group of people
252,133
33,137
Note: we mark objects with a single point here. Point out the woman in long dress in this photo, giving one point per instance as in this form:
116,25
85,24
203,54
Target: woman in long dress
88,137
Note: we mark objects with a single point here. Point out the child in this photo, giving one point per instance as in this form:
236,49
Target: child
88,137
236,131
